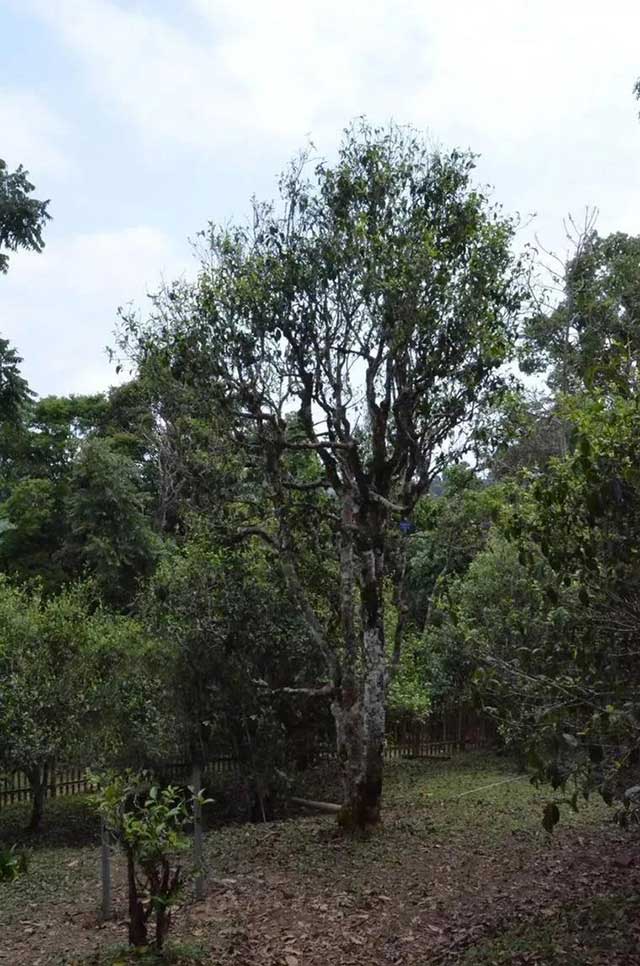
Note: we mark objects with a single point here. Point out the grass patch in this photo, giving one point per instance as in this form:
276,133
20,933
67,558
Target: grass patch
595,932
175,954
54,878
68,821
430,806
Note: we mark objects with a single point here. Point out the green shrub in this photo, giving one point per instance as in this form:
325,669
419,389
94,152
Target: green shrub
150,824
12,864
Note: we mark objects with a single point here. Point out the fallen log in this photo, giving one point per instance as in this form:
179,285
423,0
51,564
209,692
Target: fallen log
319,806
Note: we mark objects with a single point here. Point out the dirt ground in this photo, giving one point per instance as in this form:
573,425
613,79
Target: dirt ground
461,872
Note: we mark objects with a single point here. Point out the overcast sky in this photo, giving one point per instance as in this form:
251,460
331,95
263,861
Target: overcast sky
144,119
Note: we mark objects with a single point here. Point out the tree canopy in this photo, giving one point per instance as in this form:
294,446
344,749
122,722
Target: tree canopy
22,218
364,321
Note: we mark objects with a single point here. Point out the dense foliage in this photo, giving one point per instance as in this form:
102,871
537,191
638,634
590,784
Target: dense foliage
77,684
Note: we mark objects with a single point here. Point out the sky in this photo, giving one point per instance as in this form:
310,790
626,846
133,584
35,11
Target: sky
143,120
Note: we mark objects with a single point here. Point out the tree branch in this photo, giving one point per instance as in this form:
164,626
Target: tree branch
395,507
318,446
326,690
258,532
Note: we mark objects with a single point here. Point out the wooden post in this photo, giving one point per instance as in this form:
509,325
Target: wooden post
105,863
196,782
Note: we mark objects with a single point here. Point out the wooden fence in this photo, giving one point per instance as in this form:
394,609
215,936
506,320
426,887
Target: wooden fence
15,787
439,738
65,780
458,727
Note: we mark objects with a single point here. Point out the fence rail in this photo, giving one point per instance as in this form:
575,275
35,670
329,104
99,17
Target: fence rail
441,740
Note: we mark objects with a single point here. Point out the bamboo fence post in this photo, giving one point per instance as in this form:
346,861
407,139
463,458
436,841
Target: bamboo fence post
105,870
198,850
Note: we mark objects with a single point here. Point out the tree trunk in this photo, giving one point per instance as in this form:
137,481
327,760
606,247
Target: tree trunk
137,913
163,924
164,888
163,911
360,718
52,790
38,780
349,738
360,736
370,793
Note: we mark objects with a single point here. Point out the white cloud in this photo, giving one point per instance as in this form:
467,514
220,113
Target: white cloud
284,67
59,308
541,89
279,69
167,84
32,134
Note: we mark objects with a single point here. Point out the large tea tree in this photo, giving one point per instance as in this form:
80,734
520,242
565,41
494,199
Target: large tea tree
364,320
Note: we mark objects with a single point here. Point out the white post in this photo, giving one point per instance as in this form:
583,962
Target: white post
105,870
198,851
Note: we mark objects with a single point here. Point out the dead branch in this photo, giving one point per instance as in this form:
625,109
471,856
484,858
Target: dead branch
257,532
329,807
325,690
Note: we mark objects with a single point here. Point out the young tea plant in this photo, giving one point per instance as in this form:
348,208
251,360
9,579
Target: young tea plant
150,824
12,864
